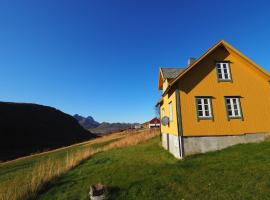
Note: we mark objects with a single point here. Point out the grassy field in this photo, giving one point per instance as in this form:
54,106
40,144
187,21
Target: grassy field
146,171
19,171
23,178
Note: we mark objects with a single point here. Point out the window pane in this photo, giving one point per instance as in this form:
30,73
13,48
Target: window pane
223,71
203,108
233,107
171,111
162,112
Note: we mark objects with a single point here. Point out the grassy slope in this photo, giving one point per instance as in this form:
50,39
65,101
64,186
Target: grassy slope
146,171
22,167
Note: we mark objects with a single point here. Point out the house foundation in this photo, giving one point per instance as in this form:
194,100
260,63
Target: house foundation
194,145
172,143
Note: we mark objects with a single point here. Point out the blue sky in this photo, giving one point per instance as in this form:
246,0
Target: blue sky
101,57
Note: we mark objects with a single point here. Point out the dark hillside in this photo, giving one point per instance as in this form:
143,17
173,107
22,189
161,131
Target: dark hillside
29,128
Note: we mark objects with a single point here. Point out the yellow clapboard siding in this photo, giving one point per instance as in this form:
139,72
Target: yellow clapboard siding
247,81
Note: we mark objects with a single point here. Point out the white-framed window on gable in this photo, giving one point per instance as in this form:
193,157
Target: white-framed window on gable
171,111
165,85
204,108
233,107
223,71
162,112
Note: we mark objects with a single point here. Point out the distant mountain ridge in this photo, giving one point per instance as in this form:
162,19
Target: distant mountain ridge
86,122
101,128
105,127
29,128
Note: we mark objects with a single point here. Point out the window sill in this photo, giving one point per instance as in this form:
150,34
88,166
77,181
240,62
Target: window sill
234,118
205,118
224,80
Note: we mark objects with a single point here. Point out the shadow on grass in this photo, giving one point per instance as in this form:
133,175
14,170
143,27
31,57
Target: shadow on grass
113,192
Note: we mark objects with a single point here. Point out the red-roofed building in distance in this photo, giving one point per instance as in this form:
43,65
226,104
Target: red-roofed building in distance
154,123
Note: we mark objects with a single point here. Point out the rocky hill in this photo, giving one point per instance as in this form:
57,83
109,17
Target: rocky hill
101,128
86,122
106,128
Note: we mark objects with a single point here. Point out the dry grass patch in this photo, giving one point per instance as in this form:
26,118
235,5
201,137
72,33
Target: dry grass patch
86,144
133,139
28,186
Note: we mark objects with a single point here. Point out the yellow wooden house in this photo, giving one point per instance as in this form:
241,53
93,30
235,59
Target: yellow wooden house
218,100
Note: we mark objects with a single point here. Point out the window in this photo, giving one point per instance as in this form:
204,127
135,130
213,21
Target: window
162,112
204,109
171,111
233,107
165,85
223,71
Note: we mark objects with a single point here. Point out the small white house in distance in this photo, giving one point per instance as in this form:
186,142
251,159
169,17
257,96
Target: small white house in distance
137,126
154,123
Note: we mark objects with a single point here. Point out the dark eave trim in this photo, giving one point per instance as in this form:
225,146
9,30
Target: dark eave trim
179,123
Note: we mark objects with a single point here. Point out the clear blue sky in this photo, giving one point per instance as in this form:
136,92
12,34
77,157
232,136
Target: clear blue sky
101,58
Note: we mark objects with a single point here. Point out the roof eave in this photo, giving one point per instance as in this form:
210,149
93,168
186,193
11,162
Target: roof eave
262,70
159,102
225,44
197,61
160,75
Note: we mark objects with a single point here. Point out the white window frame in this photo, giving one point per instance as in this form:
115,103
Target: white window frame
162,112
223,71
204,106
165,85
171,111
233,107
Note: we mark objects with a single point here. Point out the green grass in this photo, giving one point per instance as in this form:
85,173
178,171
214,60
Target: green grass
146,171
22,167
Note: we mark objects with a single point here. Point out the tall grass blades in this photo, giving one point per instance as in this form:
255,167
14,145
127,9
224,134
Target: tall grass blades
27,186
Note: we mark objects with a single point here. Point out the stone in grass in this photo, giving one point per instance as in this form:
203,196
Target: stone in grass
97,192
